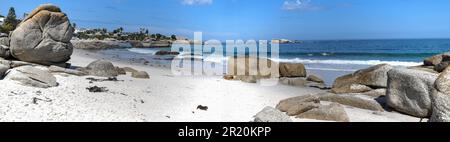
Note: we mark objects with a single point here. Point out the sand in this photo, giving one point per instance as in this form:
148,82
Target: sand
162,98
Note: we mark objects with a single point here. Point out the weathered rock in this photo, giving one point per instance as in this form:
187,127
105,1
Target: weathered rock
351,88
314,78
4,51
32,76
374,77
375,93
270,114
298,105
435,60
409,91
65,70
352,101
140,74
332,112
248,79
43,37
321,86
121,71
249,66
15,64
292,70
4,41
441,66
299,82
441,107
102,68
430,69
441,100
5,62
287,104
228,77
3,69
162,53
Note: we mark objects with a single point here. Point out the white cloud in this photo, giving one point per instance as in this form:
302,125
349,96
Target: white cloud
305,5
197,2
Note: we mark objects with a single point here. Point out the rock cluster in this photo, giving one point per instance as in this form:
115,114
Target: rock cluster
309,107
246,69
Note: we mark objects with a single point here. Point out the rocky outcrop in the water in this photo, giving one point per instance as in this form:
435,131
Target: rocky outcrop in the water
436,59
43,37
438,62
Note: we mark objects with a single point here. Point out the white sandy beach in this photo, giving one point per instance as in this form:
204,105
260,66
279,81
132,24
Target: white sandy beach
162,98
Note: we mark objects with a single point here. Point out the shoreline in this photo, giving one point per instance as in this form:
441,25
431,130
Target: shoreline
162,98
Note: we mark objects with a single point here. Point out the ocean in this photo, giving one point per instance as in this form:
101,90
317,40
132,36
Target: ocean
324,56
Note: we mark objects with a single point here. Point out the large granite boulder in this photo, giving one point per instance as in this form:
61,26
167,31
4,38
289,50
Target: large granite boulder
102,68
441,100
249,66
43,37
409,91
31,76
375,77
292,70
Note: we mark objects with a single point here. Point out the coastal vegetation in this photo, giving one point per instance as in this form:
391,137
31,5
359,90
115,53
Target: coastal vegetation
119,34
10,21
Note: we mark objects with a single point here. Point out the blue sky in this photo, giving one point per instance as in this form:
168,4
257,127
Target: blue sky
260,19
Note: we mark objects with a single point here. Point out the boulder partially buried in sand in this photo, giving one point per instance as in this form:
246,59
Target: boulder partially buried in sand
43,37
297,105
31,76
332,112
102,68
270,114
140,74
